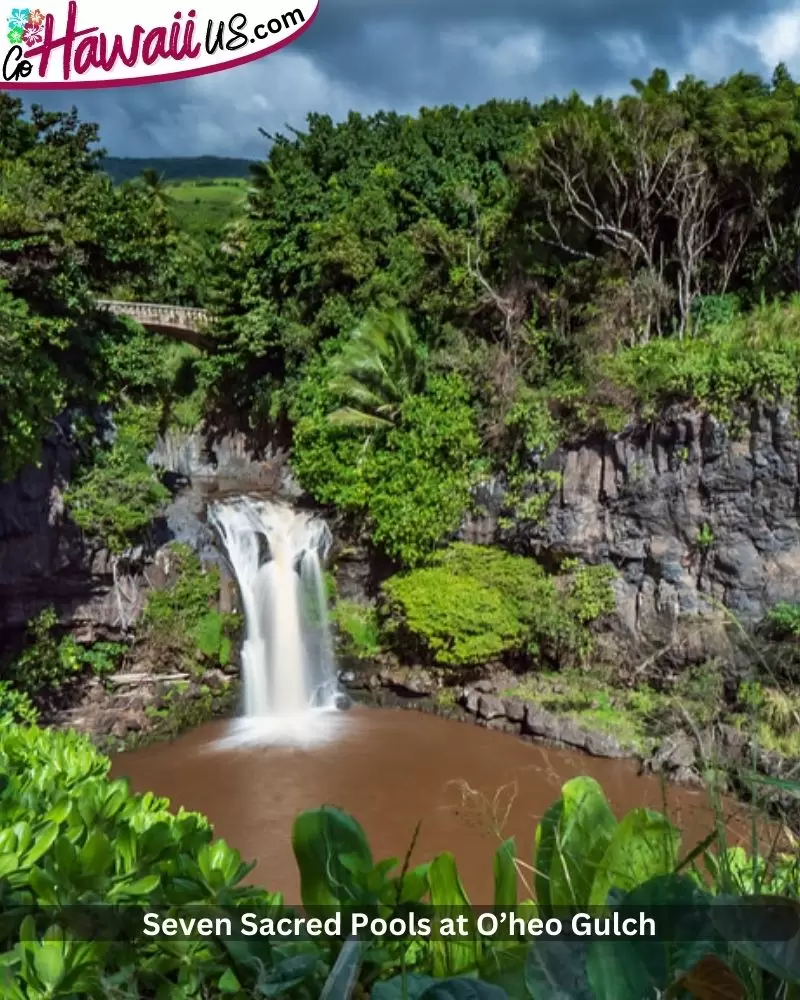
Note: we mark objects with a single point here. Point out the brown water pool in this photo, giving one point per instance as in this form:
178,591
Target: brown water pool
391,768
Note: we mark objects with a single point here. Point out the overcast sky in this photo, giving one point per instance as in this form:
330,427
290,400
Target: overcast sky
401,54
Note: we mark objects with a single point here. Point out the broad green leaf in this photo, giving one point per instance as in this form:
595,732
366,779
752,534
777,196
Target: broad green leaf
627,970
228,983
505,874
97,855
585,828
8,863
48,960
556,970
60,811
451,956
643,845
44,886
42,844
544,850
319,838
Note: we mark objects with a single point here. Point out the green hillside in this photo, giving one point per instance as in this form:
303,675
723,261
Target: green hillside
177,168
204,207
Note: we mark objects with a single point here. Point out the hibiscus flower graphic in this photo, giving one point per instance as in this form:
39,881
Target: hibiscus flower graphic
32,34
15,36
18,19
35,18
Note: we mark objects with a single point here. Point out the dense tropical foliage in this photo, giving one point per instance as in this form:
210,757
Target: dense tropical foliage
414,305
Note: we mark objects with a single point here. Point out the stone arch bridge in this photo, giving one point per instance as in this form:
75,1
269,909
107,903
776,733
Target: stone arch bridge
177,322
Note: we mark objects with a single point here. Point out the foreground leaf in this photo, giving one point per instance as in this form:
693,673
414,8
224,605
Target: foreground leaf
556,970
712,979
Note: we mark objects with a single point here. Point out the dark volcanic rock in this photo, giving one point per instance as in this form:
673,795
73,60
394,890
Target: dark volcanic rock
641,499
515,709
491,707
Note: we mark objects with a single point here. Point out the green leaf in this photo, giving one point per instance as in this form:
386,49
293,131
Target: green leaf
42,844
556,970
8,863
228,983
544,852
463,989
505,874
319,838
141,887
48,960
60,811
97,855
44,886
451,956
585,829
620,970
643,845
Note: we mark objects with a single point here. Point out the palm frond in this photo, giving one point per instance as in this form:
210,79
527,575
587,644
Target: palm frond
378,368
349,417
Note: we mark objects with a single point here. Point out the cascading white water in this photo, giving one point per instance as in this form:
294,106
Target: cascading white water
276,553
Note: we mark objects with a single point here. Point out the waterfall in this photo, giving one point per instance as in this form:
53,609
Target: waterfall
277,553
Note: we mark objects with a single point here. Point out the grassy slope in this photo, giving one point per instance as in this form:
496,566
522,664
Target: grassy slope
206,206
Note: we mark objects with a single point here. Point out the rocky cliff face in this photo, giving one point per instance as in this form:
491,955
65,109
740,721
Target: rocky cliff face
691,515
45,561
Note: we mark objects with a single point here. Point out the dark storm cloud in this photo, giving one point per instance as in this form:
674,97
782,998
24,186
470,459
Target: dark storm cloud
366,54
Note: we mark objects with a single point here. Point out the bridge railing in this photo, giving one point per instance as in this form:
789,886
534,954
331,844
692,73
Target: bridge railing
187,317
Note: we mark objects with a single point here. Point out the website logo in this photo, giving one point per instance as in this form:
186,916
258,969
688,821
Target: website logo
91,43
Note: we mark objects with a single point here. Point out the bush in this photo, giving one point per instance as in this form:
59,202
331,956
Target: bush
783,621
411,482
182,621
116,497
754,356
419,481
357,625
48,662
16,705
474,603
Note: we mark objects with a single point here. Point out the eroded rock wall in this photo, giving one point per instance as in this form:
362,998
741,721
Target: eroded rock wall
693,516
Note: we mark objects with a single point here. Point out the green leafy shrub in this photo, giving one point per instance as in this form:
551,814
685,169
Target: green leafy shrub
31,387
358,629
181,620
116,496
755,356
50,661
783,621
411,481
475,603
211,639
419,481
16,705
709,311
